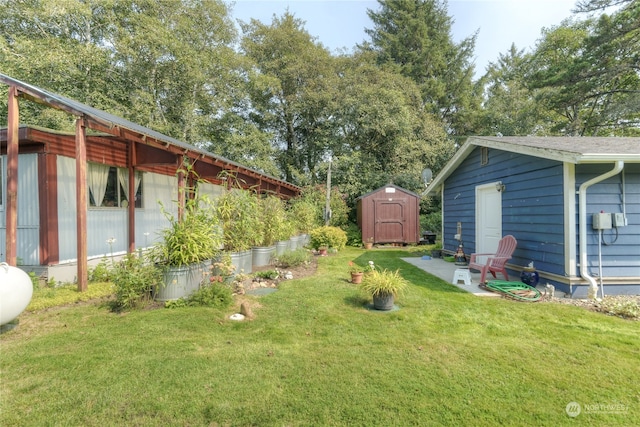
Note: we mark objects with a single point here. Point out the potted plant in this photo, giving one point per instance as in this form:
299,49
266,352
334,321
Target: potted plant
237,210
303,215
368,244
271,222
383,286
357,272
187,247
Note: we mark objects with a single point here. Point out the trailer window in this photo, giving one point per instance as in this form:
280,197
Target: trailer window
108,187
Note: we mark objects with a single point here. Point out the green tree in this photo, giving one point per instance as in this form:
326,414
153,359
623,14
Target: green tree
290,86
385,131
587,73
510,107
61,46
169,65
414,37
177,62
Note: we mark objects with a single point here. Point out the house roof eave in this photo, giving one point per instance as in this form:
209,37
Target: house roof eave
561,149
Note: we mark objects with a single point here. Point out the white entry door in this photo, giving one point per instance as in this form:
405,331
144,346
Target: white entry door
488,218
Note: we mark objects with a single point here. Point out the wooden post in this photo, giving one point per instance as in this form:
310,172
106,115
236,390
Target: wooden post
132,199
81,203
12,177
181,191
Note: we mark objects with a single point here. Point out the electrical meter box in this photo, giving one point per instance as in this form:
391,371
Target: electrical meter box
601,221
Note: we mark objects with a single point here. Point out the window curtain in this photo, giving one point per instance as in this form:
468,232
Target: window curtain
98,174
123,178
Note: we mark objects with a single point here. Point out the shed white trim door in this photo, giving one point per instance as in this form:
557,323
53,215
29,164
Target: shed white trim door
488,218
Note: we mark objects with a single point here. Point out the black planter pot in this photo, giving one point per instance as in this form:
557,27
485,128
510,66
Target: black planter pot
383,302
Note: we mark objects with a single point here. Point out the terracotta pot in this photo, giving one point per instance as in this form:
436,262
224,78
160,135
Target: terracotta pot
368,245
356,278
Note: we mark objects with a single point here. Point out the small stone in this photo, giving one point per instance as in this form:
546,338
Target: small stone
236,316
288,275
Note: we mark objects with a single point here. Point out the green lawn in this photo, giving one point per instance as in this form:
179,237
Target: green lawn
315,355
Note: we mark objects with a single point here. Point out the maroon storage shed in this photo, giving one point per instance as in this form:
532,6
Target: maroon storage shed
389,214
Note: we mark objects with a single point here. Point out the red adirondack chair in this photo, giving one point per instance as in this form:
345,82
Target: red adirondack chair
495,263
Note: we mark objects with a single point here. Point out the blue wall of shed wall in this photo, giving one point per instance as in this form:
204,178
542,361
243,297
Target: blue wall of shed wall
532,205
621,254
533,210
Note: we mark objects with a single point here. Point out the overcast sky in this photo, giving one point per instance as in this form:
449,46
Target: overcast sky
341,23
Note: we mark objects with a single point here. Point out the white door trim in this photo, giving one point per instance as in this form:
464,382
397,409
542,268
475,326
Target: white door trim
488,217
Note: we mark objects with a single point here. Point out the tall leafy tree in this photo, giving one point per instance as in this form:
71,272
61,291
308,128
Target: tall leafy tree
169,65
290,92
62,46
414,38
177,62
386,132
510,107
587,72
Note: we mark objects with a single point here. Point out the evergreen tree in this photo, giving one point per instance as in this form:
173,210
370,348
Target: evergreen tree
413,38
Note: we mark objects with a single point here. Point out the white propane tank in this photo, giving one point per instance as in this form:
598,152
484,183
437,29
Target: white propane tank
16,290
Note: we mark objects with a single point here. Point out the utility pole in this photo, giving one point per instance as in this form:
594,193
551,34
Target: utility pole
327,208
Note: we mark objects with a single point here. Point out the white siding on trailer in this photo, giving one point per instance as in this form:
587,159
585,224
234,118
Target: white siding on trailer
67,212
150,219
106,223
212,190
28,238
103,225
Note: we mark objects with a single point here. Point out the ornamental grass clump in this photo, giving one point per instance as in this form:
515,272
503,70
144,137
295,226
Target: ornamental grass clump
191,239
383,283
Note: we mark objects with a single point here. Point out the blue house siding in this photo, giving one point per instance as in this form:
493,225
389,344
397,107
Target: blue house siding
541,206
532,206
620,249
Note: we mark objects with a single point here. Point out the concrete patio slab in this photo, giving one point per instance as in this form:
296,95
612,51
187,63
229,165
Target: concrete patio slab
446,270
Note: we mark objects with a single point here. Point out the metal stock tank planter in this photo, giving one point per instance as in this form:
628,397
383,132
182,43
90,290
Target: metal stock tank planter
262,255
189,244
282,246
242,261
180,282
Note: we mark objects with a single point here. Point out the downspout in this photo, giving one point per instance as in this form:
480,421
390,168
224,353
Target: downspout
582,201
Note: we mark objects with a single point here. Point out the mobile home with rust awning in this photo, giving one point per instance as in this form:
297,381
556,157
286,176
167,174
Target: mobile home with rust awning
68,198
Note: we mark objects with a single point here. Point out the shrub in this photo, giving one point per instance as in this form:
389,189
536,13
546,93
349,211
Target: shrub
303,214
214,294
101,272
267,274
354,235
134,280
237,210
191,239
431,222
273,221
329,237
292,258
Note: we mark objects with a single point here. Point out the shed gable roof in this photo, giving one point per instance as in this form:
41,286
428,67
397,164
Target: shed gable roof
574,150
404,190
